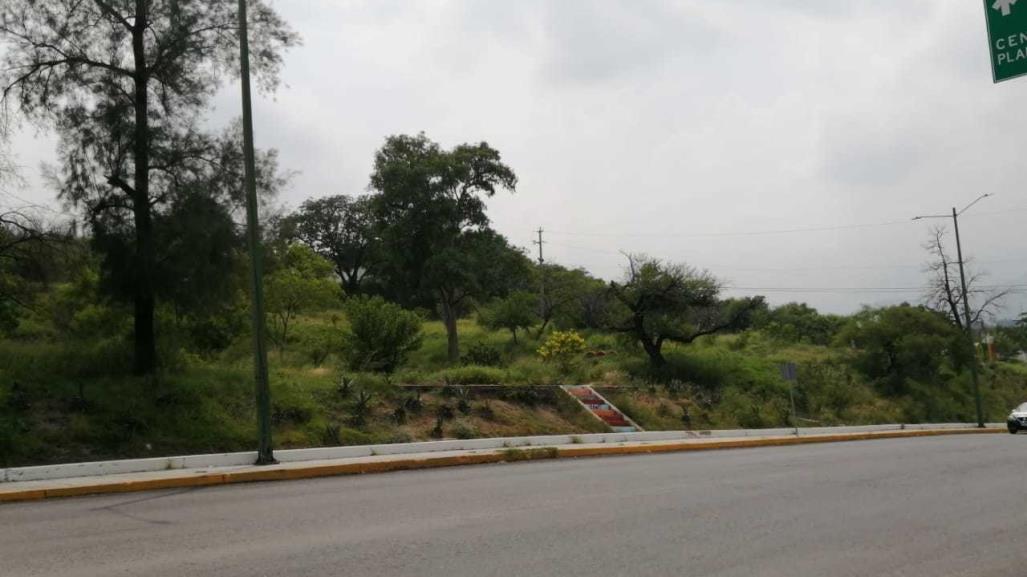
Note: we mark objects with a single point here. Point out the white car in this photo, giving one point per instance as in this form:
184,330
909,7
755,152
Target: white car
1017,420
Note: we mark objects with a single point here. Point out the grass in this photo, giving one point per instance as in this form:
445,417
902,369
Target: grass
74,400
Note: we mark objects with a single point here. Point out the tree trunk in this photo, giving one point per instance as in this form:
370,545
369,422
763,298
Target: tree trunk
453,340
542,328
145,361
655,352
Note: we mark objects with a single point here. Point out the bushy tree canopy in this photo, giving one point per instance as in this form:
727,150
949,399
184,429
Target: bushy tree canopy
342,229
436,243
302,283
904,343
662,302
125,85
380,334
799,323
516,311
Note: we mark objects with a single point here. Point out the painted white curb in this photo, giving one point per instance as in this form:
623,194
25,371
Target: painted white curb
97,468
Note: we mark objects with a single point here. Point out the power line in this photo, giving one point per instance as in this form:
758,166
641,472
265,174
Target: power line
741,233
919,266
795,230
1017,288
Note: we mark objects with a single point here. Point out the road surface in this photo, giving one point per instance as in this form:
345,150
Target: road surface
931,506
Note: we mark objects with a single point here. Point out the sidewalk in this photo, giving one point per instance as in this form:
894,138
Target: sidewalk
222,475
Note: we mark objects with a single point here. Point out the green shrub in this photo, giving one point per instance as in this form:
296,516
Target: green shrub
564,349
483,355
513,313
318,341
532,372
471,375
464,430
380,335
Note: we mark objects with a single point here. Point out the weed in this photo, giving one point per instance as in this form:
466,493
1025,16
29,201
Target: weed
362,407
531,454
330,436
399,415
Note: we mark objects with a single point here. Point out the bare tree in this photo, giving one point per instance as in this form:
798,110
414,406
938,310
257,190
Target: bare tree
944,293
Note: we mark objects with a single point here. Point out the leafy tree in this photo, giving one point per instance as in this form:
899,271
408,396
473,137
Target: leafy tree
799,323
380,334
125,84
477,266
300,285
901,344
569,297
342,230
29,259
676,303
437,246
16,232
319,341
514,312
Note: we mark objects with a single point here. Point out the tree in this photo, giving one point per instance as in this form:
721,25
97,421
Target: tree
799,323
125,84
342,230
945,293
16,233
514,312
673,303
902,344
199,255
569,297
28,259
437,246
380,334
477,266
301,284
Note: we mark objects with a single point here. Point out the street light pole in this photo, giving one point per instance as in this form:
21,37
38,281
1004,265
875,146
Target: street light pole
967,321
265,455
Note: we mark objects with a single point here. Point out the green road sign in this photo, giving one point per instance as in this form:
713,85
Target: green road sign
1007,37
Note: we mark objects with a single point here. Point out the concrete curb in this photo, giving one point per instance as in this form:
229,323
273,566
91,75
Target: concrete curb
295,471
244,459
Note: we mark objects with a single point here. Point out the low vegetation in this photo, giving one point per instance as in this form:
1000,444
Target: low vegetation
400,314
76,399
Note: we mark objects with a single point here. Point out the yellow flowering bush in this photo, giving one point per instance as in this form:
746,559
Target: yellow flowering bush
564,349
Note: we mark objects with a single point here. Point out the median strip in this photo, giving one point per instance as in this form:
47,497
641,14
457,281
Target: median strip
185,478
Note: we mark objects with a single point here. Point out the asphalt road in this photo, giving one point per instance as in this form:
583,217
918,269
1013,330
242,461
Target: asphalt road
932,506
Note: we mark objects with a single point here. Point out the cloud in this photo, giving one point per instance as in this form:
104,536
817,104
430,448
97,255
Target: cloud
633,124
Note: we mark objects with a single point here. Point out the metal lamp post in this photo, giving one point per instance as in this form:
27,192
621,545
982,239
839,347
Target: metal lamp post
265,454
967,325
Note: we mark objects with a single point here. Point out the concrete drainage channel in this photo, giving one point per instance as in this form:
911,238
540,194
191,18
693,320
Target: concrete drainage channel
194,462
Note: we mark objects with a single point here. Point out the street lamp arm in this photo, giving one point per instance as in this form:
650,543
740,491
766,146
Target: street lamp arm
979,198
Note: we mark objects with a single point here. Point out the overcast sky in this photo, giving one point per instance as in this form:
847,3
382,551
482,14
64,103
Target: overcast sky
694,131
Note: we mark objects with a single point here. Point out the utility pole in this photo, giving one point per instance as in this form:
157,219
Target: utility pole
967,321
265,455
542,311
539,242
